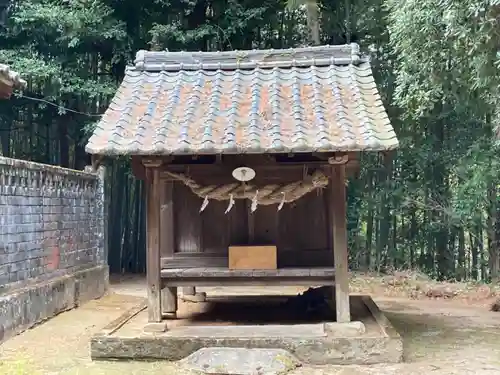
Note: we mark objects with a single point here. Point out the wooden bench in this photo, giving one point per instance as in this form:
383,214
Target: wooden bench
223,276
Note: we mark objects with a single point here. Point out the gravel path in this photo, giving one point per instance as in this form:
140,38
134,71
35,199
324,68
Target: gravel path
441,338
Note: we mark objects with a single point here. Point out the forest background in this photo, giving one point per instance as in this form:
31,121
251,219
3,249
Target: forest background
433,206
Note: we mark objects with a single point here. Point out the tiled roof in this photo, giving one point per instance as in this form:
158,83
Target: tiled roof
302,100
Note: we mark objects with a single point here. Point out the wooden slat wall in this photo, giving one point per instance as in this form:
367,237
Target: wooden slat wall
303,224
300,230
187,225
266,225
219,230
300,258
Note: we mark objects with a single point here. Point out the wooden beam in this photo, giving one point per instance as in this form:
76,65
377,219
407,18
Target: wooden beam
153,162
230,166
119,322
222,276
189,291
248,281
167,244
339,233
224,169
153,268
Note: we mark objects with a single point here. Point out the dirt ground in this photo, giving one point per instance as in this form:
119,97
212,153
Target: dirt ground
451,333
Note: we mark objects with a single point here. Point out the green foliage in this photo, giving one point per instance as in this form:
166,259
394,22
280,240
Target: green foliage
447,51
447,85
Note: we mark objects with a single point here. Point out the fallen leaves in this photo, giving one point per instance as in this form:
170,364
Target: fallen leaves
415,285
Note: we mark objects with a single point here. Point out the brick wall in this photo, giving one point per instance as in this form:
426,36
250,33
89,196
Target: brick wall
51,222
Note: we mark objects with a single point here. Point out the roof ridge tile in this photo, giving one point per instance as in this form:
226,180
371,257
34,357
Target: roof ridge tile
249,59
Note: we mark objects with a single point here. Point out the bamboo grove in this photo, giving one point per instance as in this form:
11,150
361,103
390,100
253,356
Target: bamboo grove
433,205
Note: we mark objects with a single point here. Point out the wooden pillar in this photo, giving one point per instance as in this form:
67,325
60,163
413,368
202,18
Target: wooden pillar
167,245
189,290
339,233
153,241
169,302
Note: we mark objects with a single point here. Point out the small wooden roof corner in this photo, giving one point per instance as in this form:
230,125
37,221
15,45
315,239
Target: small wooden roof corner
315,99
9,81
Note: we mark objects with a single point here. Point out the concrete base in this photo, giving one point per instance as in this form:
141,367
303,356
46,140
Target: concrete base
155,327
169,315
351,329
25,307
197,297
370,340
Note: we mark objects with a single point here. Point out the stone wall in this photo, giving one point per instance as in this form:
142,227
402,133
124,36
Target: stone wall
51,233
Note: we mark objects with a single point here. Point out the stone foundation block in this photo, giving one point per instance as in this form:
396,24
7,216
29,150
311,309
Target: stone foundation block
23,308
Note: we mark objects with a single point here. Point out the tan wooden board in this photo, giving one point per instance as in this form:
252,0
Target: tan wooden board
253,257
217,276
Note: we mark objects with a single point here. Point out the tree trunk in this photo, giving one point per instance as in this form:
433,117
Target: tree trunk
369,238
495,252
493,233
312,11
396,259
126,248
412,236
475,255
117,200
480,245
461,266
63,141
5,136
136,227
385,216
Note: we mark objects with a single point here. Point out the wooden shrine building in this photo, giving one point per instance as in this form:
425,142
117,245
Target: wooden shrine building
245,150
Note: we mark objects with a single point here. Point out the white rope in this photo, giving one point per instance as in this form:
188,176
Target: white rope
231,204
282,203
204,204
263,195
255,202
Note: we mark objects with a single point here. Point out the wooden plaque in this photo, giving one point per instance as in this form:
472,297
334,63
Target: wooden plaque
253,257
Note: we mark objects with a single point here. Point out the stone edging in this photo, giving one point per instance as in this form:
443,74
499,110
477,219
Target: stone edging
29,306
30,165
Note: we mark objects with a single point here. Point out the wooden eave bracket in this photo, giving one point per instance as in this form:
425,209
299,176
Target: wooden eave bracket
152,162
389,154
96,162
338,159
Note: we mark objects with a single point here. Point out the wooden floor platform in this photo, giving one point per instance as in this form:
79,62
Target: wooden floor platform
216,276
